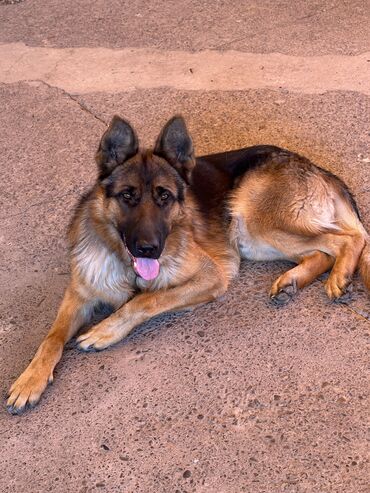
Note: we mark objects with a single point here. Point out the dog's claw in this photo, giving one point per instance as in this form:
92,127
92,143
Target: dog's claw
98,338
87,349
15,411
18,411
26,392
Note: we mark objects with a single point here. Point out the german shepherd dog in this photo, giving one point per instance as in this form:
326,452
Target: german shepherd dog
162,230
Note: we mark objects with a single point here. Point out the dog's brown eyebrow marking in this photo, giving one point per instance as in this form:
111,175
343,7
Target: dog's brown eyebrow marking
144,169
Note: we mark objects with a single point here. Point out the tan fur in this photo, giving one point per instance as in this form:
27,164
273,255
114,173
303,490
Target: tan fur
365,264
277,216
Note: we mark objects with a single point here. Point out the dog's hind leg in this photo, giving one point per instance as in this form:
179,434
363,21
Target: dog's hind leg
27,389
349,248
309,268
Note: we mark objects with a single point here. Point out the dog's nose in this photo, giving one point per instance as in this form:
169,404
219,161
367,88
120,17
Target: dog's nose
146,249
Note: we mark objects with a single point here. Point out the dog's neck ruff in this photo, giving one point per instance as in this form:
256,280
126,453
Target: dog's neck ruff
146,268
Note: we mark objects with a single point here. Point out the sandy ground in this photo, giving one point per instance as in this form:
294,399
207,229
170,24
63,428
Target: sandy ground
238,395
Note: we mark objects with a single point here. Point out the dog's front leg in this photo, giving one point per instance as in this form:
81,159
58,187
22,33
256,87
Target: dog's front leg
27,389
200,289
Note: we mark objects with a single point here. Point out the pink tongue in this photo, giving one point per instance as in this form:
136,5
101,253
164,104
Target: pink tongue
147,268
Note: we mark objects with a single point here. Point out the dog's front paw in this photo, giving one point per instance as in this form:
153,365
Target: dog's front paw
283,290
99,337
27,389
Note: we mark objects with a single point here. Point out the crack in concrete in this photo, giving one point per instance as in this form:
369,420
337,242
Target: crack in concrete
316,13
352,309
355,310
360,311
83,107
70,96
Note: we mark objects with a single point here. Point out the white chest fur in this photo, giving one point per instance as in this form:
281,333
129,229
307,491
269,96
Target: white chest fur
102,271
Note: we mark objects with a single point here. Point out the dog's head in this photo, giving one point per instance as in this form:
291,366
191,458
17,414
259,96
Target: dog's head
145,190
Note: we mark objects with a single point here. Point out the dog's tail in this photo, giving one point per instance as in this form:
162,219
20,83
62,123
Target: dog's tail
364,264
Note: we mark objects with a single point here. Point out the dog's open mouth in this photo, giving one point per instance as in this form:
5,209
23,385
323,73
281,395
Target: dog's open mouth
146,268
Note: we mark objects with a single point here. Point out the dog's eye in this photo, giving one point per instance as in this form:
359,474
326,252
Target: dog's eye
165,196
126,195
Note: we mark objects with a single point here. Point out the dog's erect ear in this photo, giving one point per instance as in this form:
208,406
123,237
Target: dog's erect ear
118,143
175,145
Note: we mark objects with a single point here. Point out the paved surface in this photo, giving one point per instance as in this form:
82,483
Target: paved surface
237,396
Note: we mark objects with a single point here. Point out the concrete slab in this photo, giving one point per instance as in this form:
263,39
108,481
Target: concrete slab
299,28
237,396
